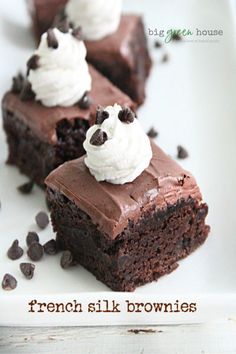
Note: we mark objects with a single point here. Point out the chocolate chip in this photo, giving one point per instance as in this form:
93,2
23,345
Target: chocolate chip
32,63
42,220
66,259
35,251
15,251
51,39
78,33
64,25
32,237
85,102
26,188
98,138
27,93
101,115
176,37
27,269
17,83
165,58
50,247
182,153
9,282
152,133
126,115
157,44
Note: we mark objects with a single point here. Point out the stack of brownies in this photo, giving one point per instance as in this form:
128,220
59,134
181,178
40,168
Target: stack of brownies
123,208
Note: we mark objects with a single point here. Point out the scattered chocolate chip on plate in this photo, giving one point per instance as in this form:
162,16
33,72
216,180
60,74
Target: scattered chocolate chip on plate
15,251
9,282
42,220
27,269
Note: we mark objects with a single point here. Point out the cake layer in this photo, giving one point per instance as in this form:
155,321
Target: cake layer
43,120
143,252
111,207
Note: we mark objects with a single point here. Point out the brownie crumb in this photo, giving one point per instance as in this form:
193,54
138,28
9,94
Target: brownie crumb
27,269
17,83
98,138
35,251
78,33
176,37
101,115
85,102
31,238
152,133
32,63
26,188
51,39
9,282
42,220
126,115
15,251
182,153
27,93
66,259
137,331
157,44
165,58
50,247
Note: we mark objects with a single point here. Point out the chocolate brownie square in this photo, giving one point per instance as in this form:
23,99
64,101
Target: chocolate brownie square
131,234
41,138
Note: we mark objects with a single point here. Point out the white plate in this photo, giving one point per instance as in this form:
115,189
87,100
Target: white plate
191,100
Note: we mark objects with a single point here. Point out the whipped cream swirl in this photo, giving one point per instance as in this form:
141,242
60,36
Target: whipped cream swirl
98,18
62,76
123,155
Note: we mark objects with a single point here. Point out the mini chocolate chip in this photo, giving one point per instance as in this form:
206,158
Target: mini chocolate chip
35,251
182,153
66,259
51,39
15,251
152,133
101,115
126,115
85,102
165,58
26,188
32,63
9,282
42,219
17,83
27,93
64,25
157,44
78,33
32,237
27,269
98,138
50,247
176,37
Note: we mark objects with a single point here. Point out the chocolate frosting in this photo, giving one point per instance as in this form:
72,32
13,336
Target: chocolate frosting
111,206
115,43
43,120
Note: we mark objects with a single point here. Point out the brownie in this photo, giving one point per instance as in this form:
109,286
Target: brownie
131,234
41,138
123,56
